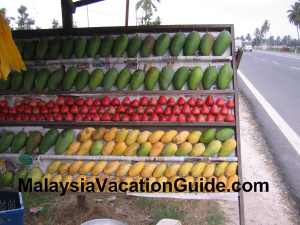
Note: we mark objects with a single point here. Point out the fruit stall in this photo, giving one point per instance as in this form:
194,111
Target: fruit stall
124,103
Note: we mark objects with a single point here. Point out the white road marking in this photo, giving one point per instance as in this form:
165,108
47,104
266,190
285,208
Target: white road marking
279,54
274,62
295,68
286,130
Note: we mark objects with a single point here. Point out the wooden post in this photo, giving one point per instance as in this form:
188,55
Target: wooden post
127,13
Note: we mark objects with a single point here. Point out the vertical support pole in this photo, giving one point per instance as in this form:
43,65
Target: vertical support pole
67,14
127,13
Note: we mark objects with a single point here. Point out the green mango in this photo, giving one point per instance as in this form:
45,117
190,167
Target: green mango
110,79
79,47
165,77
106,46
147,46
206,44
162,44
64,140
95,80
208,135
29,49
93,45
96,148
209,77
195,78
18,142
191,44
55,79
69,78
225,76
81,80
120,45
151,78
134,46
41,78
177,44
67,48
123,78
54,47
41,48
16,80
222,43
33,141
137,79
29,78
48,140
6,139
180,77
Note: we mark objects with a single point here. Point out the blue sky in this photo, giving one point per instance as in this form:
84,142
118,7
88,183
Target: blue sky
245,15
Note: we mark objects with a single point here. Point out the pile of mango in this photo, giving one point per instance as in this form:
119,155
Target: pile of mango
117,46
151,79
122,142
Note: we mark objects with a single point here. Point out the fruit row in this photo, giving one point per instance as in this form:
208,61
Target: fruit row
153,79
80,47
163,109
122,142
143,169
11,179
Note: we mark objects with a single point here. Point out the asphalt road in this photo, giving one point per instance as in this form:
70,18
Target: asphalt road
277,78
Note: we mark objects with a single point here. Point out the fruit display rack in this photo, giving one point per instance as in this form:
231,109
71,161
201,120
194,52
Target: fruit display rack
178,81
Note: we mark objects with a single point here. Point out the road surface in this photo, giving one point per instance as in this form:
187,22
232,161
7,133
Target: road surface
271,81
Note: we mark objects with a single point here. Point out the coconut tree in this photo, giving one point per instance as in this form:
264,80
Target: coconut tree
294,16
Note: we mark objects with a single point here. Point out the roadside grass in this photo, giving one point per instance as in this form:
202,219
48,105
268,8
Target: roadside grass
215,216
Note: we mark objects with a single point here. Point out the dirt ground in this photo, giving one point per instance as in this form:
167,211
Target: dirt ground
272,208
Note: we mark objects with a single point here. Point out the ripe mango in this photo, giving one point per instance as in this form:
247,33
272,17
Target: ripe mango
172,170
231,169
64,168
119,148
53,166
223,179
87,167
169,149
132,149
220,169
99,133
148,170
111,167
75,166
198,168
136,169
121,135
143,136
156,149
159,170
168,136
110,134
231,180
181,137
85,148
185,169
213,148
228,147
98,168
73,148
123,169
156,136
209,170
145,149
194,136
108,148
197,149
132,136
184,149
35,174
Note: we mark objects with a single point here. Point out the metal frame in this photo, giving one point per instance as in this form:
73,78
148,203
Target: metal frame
151,29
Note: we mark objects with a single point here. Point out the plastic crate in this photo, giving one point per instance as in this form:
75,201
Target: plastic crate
11,216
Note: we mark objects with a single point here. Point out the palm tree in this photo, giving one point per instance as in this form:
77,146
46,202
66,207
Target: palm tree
265,28
294,16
